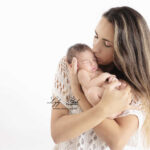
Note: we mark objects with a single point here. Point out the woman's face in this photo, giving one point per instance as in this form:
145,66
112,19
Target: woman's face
103,42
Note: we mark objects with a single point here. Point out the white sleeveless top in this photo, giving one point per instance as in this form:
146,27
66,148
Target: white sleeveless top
88,140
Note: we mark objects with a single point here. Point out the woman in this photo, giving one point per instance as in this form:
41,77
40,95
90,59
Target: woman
121,46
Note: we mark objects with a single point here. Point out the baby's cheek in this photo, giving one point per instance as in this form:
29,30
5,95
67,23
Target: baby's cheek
87,67
80,66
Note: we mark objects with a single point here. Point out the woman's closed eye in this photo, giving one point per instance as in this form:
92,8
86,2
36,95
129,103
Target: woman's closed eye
107,43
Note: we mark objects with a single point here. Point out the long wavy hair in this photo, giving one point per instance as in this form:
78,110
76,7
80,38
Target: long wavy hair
132,54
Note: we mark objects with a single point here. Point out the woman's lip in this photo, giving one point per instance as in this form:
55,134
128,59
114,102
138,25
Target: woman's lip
99,60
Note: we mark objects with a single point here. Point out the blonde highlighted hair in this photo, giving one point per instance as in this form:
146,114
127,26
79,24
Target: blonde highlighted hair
132,54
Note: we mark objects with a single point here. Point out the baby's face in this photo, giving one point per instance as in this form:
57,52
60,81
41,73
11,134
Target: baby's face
87,61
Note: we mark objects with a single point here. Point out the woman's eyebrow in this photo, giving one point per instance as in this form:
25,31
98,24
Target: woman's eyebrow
96,32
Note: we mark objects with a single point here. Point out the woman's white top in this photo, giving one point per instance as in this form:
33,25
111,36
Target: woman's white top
88,140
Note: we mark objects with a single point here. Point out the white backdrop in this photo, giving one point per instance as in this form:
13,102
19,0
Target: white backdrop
34,35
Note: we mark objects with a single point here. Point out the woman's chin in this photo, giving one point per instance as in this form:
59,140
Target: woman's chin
100,62
103,63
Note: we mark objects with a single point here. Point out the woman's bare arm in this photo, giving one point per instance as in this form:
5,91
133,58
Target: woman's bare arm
65,126
115,133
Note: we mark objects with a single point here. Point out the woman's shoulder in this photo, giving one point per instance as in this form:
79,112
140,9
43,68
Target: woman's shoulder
137,110
62,66
61,88
63,60
61,75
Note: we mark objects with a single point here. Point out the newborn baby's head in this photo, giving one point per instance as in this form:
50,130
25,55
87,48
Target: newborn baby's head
85,57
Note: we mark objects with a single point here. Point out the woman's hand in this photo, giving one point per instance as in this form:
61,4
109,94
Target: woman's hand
115,100
75,86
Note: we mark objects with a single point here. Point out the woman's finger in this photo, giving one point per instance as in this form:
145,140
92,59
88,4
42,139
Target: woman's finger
113,85
69,66
74,65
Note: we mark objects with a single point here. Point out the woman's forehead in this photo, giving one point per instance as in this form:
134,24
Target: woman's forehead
105,29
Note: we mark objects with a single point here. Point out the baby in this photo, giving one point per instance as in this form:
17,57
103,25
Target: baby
91,78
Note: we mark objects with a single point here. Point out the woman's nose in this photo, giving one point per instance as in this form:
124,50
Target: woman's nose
96,51
97,47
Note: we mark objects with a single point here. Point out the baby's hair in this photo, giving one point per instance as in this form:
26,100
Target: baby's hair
76,48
